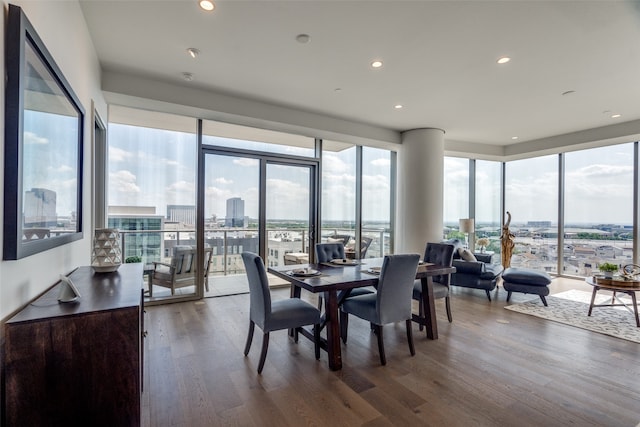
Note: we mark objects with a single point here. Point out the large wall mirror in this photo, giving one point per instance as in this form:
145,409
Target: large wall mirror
43,147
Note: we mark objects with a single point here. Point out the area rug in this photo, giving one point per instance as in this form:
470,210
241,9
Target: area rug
571,308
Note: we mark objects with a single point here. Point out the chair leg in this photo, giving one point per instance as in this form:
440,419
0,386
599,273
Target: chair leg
544,300
412,349
263,353
249,337
378,331
447,302
508,295
420,314
316,340
344,324
295,335
488,294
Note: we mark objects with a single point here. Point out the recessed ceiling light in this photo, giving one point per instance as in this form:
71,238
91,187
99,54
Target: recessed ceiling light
514,137
207,5
193,52
615,116
503,60
397,106
187,76
376,64
303,38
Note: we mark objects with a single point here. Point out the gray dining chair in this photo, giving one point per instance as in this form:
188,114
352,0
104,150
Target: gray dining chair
292,313
325,252
391,303
440,254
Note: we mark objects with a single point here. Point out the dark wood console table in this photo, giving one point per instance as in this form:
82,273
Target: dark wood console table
81,362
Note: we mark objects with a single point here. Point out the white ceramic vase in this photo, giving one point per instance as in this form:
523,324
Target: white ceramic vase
107,253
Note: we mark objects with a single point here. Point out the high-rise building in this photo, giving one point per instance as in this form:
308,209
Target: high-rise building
40,208
185,214
235,212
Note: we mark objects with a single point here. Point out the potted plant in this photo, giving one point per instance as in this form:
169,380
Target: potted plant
608,269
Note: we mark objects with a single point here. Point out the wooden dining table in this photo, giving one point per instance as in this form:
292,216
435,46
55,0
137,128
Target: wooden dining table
331,278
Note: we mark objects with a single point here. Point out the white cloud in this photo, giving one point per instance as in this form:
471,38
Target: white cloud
182,187
244,161
32,138
223,181
123,181
119,155
60,169
381,162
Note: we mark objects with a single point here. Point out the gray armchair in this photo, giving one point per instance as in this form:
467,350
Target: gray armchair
390,304
291,313
479,274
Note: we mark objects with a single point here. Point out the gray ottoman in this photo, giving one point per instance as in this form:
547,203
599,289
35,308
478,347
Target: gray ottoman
526,281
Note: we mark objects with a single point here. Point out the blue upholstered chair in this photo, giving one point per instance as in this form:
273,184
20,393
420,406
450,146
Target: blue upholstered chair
441,254
325,252
391,303
291,313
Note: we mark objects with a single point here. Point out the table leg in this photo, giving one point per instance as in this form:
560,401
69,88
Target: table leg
635,307
429,307
593,299
333,331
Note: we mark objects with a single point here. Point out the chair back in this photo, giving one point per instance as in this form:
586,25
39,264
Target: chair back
184,265
259,295
325,252
395,287
364,246
441,254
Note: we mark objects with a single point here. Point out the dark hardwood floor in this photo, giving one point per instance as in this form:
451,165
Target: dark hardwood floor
490,367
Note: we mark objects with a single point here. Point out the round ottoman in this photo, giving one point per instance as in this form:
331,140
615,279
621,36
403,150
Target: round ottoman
526,281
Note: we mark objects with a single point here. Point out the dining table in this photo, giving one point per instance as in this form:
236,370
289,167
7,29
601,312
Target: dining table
331,278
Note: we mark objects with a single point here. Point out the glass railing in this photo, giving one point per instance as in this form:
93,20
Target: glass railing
148,246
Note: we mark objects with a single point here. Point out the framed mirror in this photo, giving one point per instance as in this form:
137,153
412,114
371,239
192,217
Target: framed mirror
43,147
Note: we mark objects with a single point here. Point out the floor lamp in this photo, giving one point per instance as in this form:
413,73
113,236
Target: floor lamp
467,226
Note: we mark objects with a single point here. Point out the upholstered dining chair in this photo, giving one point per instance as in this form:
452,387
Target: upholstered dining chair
325,252
391,303
441,254
292,313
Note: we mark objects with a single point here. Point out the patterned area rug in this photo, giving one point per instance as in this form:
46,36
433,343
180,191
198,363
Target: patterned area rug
571,308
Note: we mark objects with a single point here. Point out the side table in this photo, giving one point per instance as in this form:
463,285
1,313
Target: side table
611,285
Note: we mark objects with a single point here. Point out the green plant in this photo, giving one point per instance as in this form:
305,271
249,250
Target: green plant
132,259
606,266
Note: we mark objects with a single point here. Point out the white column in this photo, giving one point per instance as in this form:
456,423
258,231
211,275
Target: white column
420,190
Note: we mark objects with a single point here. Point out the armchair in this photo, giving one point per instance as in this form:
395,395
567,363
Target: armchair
480,273
182,270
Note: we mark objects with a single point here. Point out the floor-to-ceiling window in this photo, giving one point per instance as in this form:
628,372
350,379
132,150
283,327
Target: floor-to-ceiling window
152,186
488,206
531,196
598,208
456,196
377,194
338,191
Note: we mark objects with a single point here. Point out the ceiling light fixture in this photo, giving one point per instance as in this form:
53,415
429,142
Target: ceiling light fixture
187,76
303,38
615,116
503,60
376,64
514,137
207,5
397,106
193,52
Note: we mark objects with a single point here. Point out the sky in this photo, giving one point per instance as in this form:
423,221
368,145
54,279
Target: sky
150,167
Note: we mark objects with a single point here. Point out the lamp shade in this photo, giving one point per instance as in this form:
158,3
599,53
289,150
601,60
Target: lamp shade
467,225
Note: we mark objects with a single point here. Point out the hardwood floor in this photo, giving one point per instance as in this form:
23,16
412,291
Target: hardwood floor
490,367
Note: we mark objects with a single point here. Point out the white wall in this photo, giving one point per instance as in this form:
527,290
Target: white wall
61,26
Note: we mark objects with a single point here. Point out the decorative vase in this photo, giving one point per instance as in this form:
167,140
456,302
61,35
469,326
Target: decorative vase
107,254
608,274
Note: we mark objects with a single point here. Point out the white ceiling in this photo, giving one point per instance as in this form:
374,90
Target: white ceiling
439,59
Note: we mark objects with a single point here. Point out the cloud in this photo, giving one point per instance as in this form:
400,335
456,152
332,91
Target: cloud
60,169
381,162
223,181
123,181
119,155
244,161
183,187
32,138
